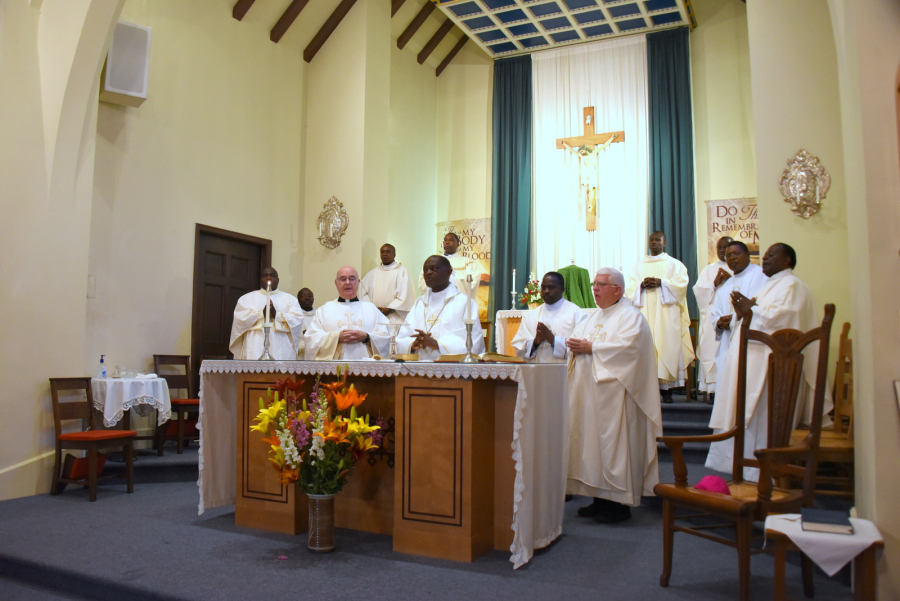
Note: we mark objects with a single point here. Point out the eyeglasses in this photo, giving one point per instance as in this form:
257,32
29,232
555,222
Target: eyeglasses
603,285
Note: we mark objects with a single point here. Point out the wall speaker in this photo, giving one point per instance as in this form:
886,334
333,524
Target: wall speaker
125,73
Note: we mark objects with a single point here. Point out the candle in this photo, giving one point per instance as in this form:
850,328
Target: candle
468,298
266,317
514,280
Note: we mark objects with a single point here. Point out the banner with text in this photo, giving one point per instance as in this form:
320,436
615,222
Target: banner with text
475,243
736,218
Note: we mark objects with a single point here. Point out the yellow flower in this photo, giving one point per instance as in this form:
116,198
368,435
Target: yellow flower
266,416
359,427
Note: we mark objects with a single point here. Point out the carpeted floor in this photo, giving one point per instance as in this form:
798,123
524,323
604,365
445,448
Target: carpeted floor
153,545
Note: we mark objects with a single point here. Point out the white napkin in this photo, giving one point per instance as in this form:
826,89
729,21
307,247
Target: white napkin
146,376
830,551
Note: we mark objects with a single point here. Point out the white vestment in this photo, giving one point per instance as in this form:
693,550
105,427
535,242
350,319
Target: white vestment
307,319
462,266
561,317
247,336
331,319
783,302
441,314
748,282
614,411
704,292
666,311
389,287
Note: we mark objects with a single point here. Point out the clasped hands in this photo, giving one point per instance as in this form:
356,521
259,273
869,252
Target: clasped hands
424,340
351,336
741,304
721,277
651,283
544,334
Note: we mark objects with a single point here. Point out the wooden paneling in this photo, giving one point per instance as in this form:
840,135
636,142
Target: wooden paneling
512,328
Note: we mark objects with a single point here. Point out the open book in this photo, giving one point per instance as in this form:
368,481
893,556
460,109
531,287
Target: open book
485,358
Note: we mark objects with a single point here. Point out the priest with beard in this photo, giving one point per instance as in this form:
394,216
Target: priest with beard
782,302
709,280
462,266
435,325
247,335
306,299
389,287
542,334
344,329
614,411
658,286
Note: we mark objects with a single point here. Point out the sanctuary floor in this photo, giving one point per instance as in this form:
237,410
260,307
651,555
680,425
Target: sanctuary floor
153,545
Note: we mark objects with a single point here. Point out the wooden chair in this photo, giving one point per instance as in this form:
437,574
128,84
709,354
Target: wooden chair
693,369
181,406
748,502
836,448
90,440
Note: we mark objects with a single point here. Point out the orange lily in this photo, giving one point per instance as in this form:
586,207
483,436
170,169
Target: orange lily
350,398
334,430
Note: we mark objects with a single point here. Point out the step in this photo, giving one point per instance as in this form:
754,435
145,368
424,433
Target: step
686,412
693,452
686,428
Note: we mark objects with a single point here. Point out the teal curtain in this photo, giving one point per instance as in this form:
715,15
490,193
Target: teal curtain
672,147
511,191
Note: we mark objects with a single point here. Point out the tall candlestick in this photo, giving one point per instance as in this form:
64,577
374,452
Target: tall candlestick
469,298
266,314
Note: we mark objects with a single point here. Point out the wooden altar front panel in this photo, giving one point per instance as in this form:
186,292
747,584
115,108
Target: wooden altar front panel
512,328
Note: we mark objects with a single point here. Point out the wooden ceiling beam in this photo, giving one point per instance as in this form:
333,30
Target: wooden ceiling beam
240,8
453,52
414,25
442,31
328,28
290,13
395,6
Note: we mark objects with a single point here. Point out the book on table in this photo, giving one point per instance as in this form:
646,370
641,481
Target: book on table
485,358
825,520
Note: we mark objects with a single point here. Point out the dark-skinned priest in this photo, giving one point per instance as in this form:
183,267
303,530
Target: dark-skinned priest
543,332
435,326
306,299
342,329
247,335
462,265
783,301
709,280
389,287
614,411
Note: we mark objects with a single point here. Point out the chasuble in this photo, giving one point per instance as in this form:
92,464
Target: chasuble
462,266
331,319
247,336
441,314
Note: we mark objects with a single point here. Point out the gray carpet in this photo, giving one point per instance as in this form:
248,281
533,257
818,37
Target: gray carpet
153,545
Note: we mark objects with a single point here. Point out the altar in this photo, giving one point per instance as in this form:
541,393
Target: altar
473,458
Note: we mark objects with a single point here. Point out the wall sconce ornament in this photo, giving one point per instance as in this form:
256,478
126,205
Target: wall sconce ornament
332,223
804,184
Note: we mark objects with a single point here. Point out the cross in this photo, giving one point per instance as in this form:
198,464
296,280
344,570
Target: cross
585,147
350,323
432,320
596,334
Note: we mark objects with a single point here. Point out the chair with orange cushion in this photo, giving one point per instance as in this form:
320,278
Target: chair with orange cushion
749,502
182,406
90,440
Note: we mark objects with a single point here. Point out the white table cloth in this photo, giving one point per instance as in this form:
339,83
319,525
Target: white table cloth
114,396
829,551
539,433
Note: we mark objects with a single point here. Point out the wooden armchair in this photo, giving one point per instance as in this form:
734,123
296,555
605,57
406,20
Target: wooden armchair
182,407
90,440
750,502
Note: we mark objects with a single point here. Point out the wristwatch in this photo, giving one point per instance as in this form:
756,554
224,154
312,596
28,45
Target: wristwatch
366,340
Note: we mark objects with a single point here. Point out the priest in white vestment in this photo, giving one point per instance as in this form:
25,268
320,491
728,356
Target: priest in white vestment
658,286
748,279
306,299
344,329
435,326
784,301
709,280
389,287
614,412
542,334
462,266
247,335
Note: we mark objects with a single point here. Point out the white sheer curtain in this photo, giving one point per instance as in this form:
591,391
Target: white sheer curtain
611,76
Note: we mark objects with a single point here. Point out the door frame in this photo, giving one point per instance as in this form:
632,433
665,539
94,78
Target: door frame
265,261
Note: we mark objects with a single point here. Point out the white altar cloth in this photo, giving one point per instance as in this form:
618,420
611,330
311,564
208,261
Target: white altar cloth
114,396
538,433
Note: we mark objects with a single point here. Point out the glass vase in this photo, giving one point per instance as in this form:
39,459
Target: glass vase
321,523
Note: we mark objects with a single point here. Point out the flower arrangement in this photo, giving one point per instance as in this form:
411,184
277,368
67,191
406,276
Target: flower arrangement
315,442
532,293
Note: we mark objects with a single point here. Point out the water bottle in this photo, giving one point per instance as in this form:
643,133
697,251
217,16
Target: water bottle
101,369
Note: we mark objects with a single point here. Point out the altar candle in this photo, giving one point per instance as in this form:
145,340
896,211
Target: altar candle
266,317
514,280
468,298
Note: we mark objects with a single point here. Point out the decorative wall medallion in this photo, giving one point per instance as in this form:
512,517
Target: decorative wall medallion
332,223
804,184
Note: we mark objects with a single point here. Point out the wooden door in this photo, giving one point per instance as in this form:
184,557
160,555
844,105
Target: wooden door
227,265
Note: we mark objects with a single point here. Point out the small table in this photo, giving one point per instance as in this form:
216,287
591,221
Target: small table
115,397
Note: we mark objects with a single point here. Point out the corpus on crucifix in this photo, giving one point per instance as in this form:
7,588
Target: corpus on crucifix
586,148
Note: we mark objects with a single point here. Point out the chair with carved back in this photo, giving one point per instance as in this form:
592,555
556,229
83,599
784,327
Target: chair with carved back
182,406
750,502
90,439
836,448
693,369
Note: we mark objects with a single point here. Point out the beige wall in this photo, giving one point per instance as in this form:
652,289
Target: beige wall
724,159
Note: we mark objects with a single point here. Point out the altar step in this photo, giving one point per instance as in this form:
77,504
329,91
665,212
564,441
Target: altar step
686,419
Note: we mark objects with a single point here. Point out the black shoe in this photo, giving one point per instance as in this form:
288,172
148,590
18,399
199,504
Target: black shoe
614,515
569,498
595,508
666,396
711,399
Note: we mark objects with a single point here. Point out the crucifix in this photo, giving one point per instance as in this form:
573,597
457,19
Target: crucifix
586,148
349,323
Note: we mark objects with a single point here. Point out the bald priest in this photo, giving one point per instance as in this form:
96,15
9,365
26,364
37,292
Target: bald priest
344,329
542,334
247,335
